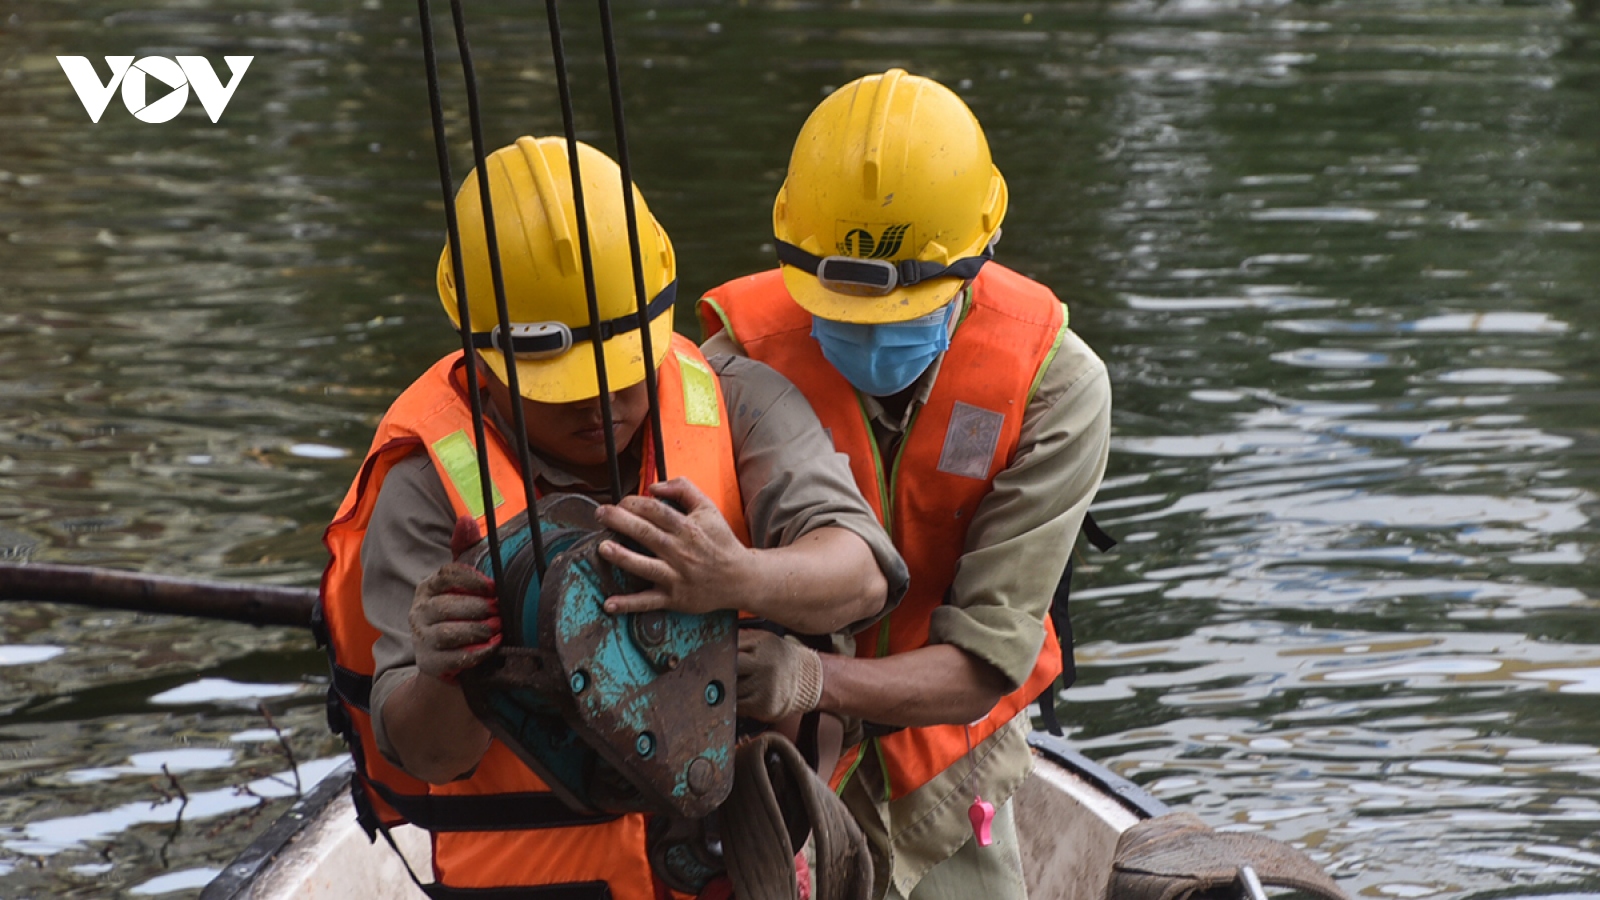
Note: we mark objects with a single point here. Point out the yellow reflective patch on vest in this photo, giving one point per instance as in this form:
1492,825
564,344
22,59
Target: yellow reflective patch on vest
700,405
460,461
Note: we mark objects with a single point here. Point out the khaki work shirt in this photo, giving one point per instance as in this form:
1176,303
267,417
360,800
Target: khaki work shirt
792,481
1017,548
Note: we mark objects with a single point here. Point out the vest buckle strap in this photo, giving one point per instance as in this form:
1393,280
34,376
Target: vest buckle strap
581,890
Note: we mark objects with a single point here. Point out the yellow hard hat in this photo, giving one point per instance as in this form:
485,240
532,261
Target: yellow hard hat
890,204
536,229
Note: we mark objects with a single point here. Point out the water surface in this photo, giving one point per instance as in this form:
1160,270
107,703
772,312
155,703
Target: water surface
1340,258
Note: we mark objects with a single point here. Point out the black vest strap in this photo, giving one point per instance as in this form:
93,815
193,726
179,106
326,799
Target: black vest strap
1069,666
488,812
353,687
1062,619
481,813
582,890
1097,535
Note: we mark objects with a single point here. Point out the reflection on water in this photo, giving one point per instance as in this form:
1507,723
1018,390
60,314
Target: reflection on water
194,809
1340,738
1339,258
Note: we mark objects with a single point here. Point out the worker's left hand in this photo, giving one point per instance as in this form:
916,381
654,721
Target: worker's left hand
699,565
778,677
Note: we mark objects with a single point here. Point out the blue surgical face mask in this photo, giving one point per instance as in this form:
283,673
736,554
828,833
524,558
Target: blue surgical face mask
884,359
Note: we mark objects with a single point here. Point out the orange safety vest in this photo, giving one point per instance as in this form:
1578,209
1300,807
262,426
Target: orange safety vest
499,832
966,432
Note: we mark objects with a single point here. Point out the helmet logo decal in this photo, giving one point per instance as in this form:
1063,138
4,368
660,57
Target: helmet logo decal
860,243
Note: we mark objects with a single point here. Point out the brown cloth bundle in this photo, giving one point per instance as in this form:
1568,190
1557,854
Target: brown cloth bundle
777,802
1176,856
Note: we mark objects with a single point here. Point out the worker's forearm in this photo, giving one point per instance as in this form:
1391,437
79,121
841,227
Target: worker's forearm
821,583
939,684
433,731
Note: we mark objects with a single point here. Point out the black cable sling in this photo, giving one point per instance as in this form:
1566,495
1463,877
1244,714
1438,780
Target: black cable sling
602,379
463,311
644,306
598,331
492,245
620,126
464,318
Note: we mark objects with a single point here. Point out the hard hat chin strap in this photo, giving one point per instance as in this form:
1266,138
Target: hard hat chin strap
541,340
876,277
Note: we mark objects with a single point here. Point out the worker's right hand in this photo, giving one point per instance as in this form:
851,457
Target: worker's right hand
696,562
455,621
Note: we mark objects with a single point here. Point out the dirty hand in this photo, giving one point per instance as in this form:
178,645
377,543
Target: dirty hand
699,565
455,621
778,677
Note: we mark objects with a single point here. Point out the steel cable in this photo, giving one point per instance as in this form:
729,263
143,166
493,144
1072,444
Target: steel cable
452,226
558,52
463,313
620,126
513,380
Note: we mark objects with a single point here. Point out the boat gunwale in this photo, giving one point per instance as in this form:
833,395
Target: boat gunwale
242,872
1132,797
234,881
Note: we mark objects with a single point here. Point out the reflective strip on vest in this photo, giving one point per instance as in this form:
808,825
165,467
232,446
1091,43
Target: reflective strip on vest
700,406
458,460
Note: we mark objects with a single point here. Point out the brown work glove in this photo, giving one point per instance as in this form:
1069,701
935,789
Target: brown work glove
455,618
778,677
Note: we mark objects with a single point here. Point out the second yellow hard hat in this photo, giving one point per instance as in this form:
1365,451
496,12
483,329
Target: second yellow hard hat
893,170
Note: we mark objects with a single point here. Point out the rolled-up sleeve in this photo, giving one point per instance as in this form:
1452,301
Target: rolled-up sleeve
792,479
1024,530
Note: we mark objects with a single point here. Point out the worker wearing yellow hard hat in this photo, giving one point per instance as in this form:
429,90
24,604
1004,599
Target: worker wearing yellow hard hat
976,424
759,516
